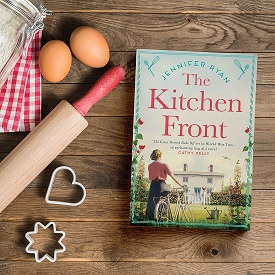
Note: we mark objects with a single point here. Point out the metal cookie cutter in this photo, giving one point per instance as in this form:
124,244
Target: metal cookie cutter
35,251
47,197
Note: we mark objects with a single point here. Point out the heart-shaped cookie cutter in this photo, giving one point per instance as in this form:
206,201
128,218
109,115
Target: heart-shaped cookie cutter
74,182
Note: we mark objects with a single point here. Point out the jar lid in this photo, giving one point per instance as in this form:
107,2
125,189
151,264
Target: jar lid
39,4
29,9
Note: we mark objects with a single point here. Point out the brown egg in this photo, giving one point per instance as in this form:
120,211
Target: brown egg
90,47
55,60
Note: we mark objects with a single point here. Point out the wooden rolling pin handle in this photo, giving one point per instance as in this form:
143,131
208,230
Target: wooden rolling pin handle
106,83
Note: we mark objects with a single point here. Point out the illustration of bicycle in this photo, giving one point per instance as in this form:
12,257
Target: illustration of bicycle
164,213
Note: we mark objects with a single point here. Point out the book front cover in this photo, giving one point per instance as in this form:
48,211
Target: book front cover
193,139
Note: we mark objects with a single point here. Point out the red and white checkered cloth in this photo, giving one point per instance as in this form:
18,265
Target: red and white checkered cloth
20,96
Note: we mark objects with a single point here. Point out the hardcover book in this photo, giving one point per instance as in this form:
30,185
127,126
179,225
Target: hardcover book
192,151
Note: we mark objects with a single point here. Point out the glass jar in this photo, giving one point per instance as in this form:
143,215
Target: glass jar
19,21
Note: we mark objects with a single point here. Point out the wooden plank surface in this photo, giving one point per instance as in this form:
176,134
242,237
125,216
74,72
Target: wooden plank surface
162,6
200,32
80,73
112,135
118,241
98,173
120,102
99,239
147,268
114,206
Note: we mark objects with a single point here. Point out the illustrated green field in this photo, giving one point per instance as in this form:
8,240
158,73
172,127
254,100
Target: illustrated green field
201,215
199,212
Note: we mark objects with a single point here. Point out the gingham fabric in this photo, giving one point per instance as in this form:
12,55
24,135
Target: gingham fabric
20,96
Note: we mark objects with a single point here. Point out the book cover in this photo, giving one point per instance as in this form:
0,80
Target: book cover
192,151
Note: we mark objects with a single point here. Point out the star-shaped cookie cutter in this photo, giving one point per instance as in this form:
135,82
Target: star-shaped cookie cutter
35,251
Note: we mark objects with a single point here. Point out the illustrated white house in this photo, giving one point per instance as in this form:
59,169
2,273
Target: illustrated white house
199,184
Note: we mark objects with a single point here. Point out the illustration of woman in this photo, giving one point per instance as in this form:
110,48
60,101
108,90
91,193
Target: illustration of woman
158,172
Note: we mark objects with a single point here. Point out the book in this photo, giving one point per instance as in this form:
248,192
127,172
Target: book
193,130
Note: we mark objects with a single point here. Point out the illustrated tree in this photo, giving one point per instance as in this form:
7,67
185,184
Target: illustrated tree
141,192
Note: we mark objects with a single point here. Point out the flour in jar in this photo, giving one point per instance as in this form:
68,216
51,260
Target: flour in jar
9,25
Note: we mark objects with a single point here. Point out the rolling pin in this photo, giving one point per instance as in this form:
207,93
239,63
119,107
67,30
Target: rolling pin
46,141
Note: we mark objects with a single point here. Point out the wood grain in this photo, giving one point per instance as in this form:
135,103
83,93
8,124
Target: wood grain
112,136
194,32
118,241
136,268
99,238
113,172
120,102
106,205
80,73
161,6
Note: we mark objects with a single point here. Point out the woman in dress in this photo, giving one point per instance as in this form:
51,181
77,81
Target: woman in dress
158,172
